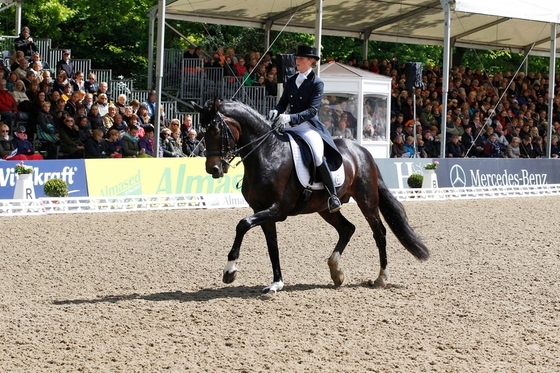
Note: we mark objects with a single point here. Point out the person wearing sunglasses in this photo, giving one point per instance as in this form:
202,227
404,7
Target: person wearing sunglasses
21,148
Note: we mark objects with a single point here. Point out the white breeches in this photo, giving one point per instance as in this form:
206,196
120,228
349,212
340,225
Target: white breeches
310,134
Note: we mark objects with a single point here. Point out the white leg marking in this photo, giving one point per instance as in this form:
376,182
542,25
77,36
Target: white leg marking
384,273
274,287
230,267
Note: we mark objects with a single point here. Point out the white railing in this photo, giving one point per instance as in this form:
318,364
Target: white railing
72,205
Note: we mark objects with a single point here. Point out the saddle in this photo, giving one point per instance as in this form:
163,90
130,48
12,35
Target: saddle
305,168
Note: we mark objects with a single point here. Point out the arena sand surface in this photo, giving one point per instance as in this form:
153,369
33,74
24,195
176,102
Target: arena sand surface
142,292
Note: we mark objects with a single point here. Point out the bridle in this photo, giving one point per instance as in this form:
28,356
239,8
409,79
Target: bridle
228,152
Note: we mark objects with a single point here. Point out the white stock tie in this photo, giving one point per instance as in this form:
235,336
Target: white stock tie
300,79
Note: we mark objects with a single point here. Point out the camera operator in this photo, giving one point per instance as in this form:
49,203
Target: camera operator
25,43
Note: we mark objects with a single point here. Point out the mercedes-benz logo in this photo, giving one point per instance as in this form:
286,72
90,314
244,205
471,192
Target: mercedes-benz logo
457,177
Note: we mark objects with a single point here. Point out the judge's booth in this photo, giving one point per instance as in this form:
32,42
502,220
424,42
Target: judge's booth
360,101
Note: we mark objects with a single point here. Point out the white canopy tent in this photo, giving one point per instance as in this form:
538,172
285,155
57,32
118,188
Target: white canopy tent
516,25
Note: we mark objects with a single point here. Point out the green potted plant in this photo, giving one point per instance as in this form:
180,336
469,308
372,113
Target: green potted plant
56,188
415,181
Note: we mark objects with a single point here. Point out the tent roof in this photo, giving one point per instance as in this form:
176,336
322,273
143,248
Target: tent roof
399,21
338,70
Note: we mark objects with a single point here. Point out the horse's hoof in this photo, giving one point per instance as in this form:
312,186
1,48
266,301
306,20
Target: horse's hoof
229,277
379,283
338,279
273,288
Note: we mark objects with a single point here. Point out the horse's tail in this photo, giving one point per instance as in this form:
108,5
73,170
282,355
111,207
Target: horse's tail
395,216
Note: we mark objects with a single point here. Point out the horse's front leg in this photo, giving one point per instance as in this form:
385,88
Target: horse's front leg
266,216
269,230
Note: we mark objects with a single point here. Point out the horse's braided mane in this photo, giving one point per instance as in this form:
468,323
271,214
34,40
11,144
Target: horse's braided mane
244,114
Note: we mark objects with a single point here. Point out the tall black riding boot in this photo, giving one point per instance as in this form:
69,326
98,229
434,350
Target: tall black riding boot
333,201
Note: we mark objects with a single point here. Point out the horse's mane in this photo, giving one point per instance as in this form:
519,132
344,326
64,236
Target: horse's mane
244,115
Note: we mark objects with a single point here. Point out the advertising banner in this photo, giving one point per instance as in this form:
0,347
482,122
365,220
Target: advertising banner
122,177
71,171
473,172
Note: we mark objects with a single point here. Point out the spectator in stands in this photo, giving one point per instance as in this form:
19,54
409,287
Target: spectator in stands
70,143
14,60
128,113
525,147
342,132
513,151
113,145
151,104
554,148
191,146
120,125
72,103
91,85
430,146
11,82
270,85
186,127
240,67
143,117
102,104
538,148
468,141
230,52
66,64
94,145
20,96
88,101
67,92
7,145
24,43
60,82
8,106
109,118
46,129
33,91
21,70
58,112
131,148
78,84
397,149
455,149
135,104
166,144
96,120
84,128
121,103
427,117
409,146
191,52
229,67
368,133
164,122
147,141
36,57
23,145
104,89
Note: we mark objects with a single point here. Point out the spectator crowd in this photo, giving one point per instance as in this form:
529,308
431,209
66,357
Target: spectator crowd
74,116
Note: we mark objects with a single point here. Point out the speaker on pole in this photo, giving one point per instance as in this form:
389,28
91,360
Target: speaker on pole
286,64
413,74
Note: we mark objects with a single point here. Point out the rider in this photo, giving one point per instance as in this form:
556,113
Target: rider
302,94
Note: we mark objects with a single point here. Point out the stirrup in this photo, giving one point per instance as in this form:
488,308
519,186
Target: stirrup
334,204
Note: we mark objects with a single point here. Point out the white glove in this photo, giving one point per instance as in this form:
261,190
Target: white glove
272,114
283,119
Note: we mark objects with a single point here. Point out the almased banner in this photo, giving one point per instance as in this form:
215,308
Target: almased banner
71,171
122,177
473,172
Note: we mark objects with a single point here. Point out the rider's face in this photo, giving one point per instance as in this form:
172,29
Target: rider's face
303,63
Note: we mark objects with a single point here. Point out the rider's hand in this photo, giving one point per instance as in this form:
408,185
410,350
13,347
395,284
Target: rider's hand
283,119
272,114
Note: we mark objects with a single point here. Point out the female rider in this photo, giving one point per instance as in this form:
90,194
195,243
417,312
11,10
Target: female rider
302,94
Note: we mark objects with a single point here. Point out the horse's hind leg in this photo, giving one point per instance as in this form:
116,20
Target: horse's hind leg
345,231
369,206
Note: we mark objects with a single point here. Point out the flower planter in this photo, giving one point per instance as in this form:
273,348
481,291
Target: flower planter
24,187
430,180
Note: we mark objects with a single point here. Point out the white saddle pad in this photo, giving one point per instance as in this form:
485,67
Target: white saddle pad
303,172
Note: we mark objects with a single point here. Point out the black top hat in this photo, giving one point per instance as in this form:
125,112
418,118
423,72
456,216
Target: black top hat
305,51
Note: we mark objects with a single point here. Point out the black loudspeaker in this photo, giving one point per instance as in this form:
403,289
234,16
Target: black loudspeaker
286,64
413,73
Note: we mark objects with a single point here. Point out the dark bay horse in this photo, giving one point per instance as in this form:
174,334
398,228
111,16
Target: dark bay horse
272,190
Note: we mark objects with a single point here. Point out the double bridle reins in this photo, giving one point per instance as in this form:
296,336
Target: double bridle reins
228,153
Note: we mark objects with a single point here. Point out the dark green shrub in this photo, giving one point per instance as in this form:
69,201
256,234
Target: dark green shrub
415,181
56,188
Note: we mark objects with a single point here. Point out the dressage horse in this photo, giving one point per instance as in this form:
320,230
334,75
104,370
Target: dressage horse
272,189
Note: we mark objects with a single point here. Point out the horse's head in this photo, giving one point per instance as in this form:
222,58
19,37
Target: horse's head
220,134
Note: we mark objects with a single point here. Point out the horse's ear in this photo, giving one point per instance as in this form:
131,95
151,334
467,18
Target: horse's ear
197,107
216,105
